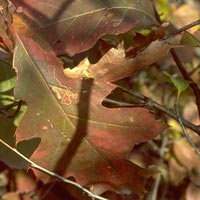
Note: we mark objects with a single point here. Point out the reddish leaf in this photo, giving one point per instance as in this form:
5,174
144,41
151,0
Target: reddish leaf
75,25
79,137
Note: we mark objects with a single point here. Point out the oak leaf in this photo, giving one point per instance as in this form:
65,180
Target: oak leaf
80,138
114,65
76,25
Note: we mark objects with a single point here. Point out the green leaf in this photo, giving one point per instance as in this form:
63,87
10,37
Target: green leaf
180,83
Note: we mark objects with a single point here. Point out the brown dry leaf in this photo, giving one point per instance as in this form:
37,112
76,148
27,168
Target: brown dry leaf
114,66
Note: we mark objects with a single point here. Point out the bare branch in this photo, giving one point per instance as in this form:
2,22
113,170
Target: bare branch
180,30
35,166
183,128
186,76
4,110
151,104
158,176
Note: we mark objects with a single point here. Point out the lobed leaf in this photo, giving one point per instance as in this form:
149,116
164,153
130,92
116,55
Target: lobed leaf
79,137
115,66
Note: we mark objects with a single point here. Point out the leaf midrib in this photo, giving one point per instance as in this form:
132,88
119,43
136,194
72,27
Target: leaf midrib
53,97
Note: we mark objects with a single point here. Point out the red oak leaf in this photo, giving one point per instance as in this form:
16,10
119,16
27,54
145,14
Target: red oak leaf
79,137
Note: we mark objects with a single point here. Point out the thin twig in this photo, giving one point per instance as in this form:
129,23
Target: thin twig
47,191
156,187
183,127
180,30
186,76
154,105
46,171
20,103
123,104
178,62
158,176
194,70
4,110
